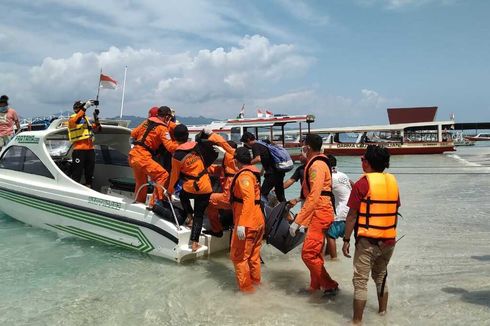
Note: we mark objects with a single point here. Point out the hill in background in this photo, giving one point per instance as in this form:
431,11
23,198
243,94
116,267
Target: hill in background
135,120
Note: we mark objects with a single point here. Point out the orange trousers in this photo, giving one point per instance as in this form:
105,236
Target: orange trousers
220,200
245,255
144,167
313,258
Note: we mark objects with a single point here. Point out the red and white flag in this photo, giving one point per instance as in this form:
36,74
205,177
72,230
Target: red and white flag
107,82
259,114
268,114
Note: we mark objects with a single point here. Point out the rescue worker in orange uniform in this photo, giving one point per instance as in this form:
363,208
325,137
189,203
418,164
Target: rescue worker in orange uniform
373,204
249,221
188,165
148,137
81,134
316,215
221,200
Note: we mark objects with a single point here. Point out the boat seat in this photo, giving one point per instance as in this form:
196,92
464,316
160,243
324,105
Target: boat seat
126,184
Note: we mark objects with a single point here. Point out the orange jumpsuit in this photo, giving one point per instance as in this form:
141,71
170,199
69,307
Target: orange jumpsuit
141,161
245,254
227,171
317,215
189,166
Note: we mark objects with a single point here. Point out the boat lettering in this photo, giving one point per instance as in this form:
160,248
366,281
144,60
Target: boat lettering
364,145
104,203
24,139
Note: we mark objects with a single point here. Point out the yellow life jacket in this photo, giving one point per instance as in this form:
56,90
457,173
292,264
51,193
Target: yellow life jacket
378,214
82,130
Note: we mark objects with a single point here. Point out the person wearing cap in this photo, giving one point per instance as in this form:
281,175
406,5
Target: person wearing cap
272,177
316,215
81,134
153,112
8,119
148,137
248,218
188,165
372,217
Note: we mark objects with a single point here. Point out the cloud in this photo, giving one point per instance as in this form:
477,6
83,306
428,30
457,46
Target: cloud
304,12
185,80
401,4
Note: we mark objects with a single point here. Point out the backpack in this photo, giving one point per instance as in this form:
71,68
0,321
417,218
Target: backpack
280,156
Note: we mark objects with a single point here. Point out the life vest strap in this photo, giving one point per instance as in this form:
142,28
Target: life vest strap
377,214
196,178
142,141
374,201
377,227
148,148
232,187
229,175
257,202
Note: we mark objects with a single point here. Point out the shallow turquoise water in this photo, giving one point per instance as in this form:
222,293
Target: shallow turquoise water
440,273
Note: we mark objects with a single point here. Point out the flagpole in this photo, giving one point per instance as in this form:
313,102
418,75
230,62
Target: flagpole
98,88
124,88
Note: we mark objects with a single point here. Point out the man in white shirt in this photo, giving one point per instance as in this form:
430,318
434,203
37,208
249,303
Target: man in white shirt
341,188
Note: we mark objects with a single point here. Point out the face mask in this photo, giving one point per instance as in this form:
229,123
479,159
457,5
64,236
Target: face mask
304,151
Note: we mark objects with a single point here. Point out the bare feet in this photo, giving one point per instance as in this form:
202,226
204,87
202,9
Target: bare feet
195,246
188,220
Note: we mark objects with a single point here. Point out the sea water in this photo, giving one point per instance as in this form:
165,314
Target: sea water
439,274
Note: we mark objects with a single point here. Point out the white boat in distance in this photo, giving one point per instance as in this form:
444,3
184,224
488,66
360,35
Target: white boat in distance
480,137
36,189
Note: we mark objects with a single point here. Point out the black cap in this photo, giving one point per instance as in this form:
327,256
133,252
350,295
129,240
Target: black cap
232,144
242,155
247,136
181,133
164,111
78,105
4,99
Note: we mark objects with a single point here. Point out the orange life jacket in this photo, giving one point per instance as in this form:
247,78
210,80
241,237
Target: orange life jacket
188,150
378,214
151,124
306,180
233,198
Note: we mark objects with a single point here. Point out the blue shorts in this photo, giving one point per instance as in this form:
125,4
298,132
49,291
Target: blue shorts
336,230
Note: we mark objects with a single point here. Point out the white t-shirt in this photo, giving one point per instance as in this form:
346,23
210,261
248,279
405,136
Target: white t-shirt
341,189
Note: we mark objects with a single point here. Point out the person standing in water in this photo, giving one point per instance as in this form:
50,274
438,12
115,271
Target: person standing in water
373,203
316,215
341,188
249,222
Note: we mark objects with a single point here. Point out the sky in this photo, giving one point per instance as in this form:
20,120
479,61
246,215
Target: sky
345,61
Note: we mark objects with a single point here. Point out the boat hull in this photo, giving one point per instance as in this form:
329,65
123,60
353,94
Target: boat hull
478,138
68,219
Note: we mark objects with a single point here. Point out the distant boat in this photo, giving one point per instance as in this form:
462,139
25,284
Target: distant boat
399,139
479,137
460,140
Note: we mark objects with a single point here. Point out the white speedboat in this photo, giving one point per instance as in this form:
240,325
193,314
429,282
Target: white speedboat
35,188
